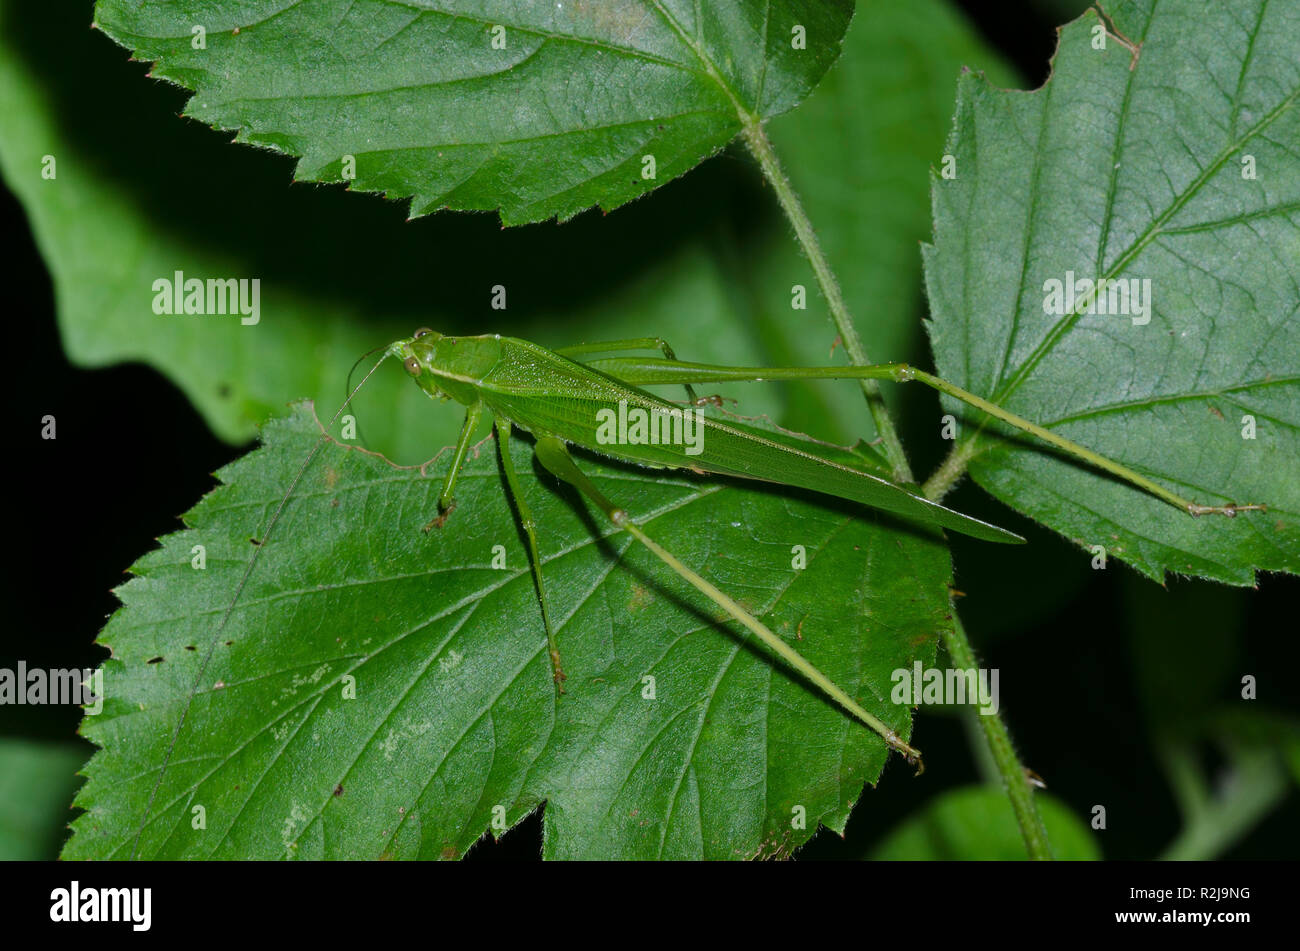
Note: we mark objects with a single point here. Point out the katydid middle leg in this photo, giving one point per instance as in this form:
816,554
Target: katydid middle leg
534,558
554,456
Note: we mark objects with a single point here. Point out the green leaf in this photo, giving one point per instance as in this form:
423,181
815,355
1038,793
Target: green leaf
352,263
455,713
976,823
1135,165
36,785
354,276
114,219
537,110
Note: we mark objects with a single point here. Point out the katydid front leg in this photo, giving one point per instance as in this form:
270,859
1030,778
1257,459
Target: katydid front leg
554,456
446,498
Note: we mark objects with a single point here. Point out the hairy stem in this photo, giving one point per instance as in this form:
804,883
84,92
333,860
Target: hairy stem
950,471
761,147
1014,783
959,649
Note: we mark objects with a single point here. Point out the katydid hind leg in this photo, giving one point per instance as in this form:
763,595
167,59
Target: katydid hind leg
447,497
641,372
554,456
529,526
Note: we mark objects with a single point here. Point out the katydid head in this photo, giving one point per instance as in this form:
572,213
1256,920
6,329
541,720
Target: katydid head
448,368
417,353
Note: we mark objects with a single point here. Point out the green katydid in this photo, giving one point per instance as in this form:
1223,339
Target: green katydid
559,397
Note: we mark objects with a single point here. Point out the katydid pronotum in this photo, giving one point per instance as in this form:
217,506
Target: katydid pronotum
558,396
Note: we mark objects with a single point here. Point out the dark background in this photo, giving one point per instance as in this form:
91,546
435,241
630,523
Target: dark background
131,453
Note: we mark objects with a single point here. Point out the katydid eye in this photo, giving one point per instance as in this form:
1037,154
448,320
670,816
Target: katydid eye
423,331
412,366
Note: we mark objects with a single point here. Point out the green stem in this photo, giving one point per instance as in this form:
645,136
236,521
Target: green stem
1017,787
950,471
761,147
1004,755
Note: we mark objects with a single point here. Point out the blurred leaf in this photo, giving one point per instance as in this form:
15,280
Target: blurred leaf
537,110
977,823
455,712
140,195
1186,647
1221,808
37,781
1131,167
1262,727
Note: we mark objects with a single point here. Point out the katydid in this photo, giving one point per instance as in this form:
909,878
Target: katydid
560,398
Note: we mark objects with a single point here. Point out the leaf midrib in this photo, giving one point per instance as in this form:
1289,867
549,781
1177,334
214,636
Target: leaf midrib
707,69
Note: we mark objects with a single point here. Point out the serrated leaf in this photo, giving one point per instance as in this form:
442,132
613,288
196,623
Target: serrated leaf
1134,163
536,109
455,714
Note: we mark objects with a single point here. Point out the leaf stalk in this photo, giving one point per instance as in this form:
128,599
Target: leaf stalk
761,147
1014,781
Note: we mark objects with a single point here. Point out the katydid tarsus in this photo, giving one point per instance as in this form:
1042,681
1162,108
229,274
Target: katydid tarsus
558,395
